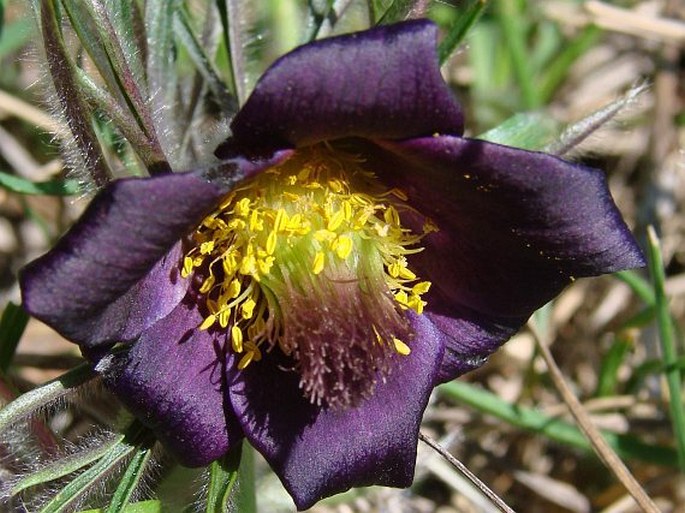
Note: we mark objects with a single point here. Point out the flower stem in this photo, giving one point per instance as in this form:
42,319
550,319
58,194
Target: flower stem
30,402
246,498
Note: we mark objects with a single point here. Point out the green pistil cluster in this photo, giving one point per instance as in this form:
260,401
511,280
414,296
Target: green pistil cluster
297,227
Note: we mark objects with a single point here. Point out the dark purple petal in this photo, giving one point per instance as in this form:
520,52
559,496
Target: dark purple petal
172,380
115,272
469,338
380,83
515,228
318,453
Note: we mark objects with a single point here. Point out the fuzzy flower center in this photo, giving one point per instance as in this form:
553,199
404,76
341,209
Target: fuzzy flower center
310,257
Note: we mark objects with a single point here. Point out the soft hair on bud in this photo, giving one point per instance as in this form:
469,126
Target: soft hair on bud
579,131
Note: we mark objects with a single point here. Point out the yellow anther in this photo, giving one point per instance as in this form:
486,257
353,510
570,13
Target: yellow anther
224,316
254,349
347,211
187,266
265,264
361,199
421,288
207,247
247,308
336,221
227,201
381,229
391,216
343,247
236,224
416,304
406,273
318,263
271,241
402,298
237,339
208,322
248,265
324,236
303,175
245,360
401,347
361,219
242,208
256,223
394,269
233,290
281,221
336,185
229,264
207,284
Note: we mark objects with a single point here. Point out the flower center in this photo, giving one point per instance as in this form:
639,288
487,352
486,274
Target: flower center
310,257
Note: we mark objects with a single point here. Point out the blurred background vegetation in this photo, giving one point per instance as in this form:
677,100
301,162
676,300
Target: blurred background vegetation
525,71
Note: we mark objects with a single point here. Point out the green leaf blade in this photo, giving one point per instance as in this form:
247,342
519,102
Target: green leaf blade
12,324
48,188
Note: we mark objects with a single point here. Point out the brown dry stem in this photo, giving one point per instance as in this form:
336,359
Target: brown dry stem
582,418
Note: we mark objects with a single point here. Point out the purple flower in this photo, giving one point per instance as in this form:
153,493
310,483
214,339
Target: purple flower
351,251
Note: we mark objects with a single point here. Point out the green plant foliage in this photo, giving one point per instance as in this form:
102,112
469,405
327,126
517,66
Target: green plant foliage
49,188
12,325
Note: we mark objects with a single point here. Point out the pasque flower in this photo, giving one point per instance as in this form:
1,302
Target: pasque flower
351,251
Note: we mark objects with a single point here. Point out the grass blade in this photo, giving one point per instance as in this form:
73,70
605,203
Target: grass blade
202,63
223,475
49,188
398,10
230,14
558,68
611,362
151,506
510,21
640,287
668,347
85,481
555,429
12,325
130,480
461,27
317,15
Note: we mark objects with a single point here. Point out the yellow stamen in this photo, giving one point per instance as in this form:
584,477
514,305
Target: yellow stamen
208,322
237,339
343,247
247,308
245,360
319,262
319,211
401,347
